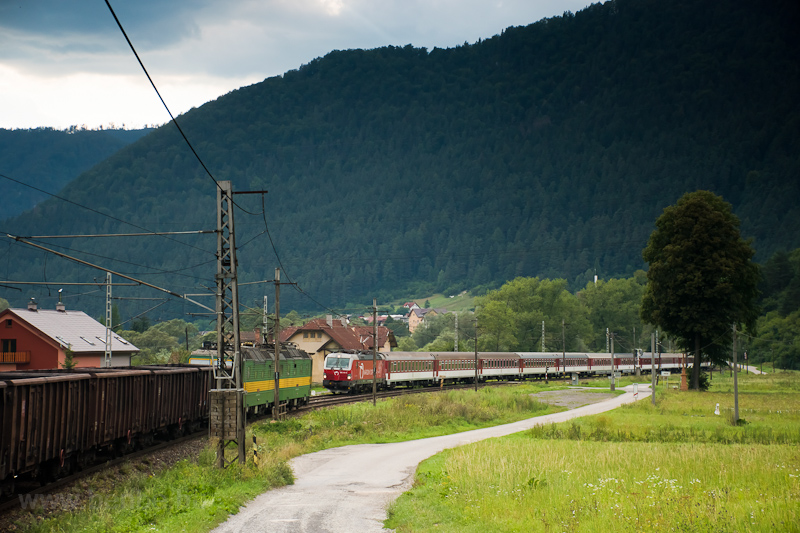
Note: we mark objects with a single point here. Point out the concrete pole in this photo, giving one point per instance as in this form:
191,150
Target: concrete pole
277,338
476,352
653,367
613,384
374,350
455,334
735,380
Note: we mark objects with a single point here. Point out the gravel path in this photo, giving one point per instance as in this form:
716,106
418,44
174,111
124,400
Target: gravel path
347,489
573,398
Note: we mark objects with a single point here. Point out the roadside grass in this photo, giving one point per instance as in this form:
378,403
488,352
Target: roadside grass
195,496
190,496
677,466
523,484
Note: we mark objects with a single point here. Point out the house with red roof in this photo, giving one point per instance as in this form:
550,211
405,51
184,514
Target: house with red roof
33,339
322,336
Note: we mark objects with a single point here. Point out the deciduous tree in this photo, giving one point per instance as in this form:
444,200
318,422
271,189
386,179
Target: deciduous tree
701,279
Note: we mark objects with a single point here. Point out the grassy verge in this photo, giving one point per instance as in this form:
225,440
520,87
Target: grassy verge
195,496
522,484
674,467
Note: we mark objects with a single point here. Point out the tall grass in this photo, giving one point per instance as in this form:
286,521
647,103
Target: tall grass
675,467
523,484
196,496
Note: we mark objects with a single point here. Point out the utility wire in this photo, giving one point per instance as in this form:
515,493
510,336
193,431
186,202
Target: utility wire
171,116
158,270
141,64
171,293
158,233
149,232
295,286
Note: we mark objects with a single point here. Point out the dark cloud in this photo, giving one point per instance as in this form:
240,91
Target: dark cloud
153,21
204,48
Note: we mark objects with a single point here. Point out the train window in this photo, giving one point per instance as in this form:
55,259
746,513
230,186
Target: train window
337,363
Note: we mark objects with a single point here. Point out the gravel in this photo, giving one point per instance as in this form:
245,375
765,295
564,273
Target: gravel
572,398
78,494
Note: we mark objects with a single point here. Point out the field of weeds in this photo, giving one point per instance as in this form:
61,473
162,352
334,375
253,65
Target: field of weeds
677,466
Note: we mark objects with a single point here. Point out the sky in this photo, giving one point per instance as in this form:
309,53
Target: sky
65,63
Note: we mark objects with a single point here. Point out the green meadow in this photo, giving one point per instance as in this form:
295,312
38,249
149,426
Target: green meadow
673,467
195,496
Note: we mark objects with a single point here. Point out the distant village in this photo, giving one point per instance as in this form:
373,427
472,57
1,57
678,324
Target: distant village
34,338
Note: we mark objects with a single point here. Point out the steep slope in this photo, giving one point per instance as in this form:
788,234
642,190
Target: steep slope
547,150
49,159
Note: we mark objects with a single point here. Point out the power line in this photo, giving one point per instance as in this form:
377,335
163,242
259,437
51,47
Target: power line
86,263
94,210
171,116
158,270
157,233
141,64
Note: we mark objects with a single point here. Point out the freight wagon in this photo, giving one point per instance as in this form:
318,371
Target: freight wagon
53,422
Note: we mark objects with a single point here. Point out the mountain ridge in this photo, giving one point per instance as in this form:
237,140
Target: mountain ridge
548,150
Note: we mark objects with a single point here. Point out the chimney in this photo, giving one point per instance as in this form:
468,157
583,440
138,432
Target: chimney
329,320
60,306
32,305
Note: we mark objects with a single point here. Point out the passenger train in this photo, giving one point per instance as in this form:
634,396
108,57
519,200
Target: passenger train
353,371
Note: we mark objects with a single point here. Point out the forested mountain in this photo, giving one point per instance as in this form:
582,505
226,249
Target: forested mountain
49,159
547,150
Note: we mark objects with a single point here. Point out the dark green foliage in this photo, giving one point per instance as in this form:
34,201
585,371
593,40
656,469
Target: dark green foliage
510,318
49,159
701,278
398,327
547,150
141,324
780,284
704,382
778,340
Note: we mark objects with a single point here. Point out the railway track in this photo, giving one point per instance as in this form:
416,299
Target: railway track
329,400
316,402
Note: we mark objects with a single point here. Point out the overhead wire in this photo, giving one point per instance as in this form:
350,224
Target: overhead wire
63,199
164,103
158,270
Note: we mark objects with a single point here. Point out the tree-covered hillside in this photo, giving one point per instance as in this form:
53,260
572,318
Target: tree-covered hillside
548,150
48,159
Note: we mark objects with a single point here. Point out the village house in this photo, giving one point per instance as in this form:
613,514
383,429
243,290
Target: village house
417,316
322,336
35,339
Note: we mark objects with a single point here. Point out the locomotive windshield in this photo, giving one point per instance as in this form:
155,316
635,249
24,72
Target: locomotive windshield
337,363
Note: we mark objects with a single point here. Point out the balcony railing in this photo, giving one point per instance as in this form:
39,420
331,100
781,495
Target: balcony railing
15,357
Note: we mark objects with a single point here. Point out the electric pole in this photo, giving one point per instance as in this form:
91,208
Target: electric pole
374,350
653,368
109,315
455,335
276,337
543,336
265,326
613,385
226,402
735,380
476,350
